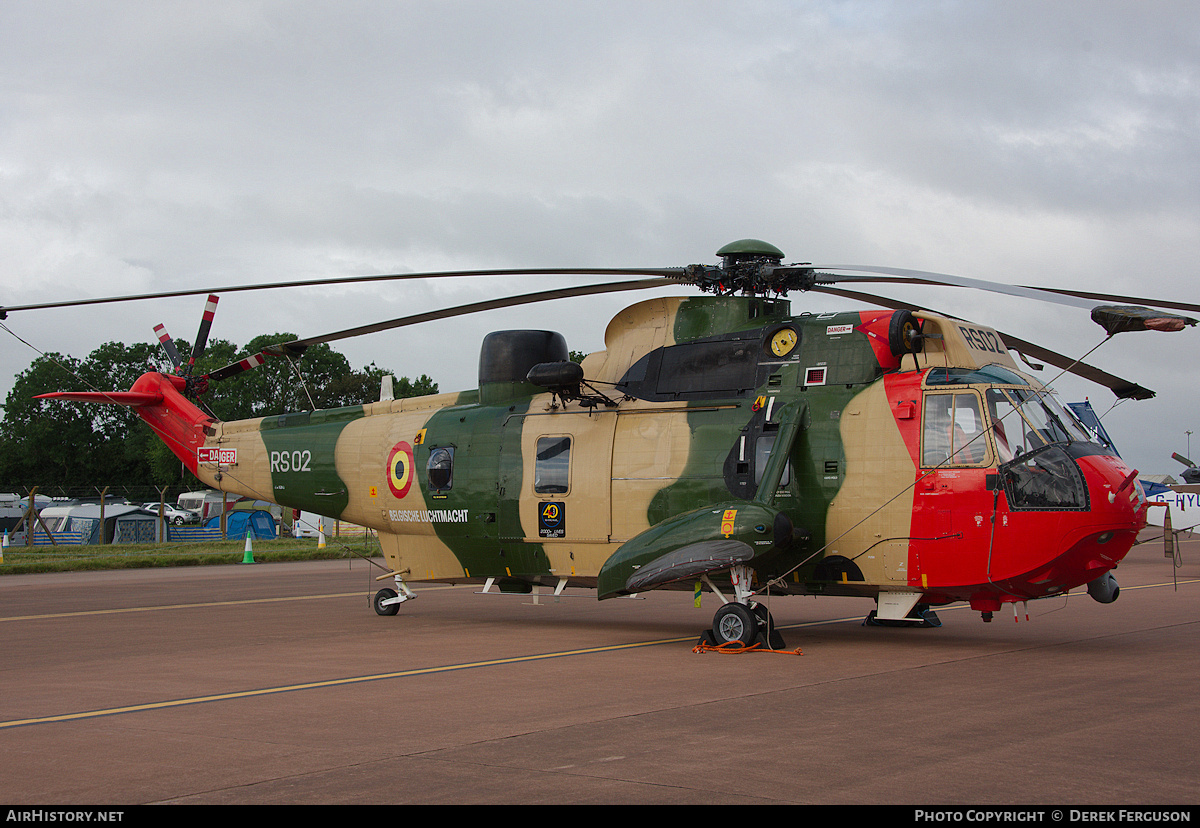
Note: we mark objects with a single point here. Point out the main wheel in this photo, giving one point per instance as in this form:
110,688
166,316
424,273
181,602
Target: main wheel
383,595
735,622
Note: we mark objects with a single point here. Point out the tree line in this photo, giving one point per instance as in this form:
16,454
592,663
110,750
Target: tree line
50,443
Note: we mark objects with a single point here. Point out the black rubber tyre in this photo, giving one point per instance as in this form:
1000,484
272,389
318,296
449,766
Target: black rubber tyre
383,595
735,622
904,334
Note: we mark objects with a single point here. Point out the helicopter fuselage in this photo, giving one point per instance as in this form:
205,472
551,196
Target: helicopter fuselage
927,470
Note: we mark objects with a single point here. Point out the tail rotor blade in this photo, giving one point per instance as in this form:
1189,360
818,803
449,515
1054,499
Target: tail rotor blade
168,345
235,368
242,365
210,310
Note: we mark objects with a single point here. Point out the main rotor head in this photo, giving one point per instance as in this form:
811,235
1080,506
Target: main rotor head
751,267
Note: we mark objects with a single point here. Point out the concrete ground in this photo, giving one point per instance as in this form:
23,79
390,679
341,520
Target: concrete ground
278,684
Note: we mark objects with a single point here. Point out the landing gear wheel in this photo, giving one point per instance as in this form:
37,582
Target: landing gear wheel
735,622
383,595
904,334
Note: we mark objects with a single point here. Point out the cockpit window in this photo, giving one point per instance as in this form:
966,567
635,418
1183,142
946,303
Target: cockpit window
1029,420
989,374
1046,479
953,431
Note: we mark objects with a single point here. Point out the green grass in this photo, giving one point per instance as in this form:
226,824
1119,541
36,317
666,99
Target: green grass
25,560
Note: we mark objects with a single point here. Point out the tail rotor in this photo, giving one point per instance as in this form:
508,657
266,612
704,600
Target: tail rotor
195,385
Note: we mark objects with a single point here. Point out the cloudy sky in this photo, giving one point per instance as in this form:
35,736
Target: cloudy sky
152,146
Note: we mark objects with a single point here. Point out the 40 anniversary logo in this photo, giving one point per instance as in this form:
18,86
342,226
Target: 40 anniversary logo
552,519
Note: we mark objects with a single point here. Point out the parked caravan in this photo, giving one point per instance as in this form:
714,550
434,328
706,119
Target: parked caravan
205,504
122,524
11,510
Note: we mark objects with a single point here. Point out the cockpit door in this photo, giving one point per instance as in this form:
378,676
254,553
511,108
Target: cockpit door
953,508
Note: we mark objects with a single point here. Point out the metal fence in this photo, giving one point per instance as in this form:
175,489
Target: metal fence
142,532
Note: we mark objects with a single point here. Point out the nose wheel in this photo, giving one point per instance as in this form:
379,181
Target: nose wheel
745,625
742,621
735,623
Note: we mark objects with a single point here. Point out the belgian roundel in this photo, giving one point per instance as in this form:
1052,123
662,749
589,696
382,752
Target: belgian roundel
400,469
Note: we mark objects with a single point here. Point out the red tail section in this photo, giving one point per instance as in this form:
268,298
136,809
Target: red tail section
158,399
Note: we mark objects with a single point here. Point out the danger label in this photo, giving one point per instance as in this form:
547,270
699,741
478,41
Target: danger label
220,456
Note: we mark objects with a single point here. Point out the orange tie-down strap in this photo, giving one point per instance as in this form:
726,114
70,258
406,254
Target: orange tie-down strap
737,648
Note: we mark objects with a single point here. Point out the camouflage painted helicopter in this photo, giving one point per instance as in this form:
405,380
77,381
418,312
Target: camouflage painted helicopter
899,455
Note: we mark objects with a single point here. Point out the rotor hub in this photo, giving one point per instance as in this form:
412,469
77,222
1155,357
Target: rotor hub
749,250
751,267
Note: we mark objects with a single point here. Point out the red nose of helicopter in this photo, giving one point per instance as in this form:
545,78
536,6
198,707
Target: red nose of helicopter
1085,500
1117,513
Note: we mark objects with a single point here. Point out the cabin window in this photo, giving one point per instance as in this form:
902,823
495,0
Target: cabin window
552,465
721,367
762,450
954,431
440,469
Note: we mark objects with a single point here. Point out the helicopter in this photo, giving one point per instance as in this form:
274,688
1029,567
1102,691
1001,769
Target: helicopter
719,441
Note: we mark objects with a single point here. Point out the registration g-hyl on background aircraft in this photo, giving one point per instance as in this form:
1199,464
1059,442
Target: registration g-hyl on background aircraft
900,455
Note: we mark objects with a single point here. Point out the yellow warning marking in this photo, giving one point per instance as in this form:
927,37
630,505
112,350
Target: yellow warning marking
727,522
203,604
342,682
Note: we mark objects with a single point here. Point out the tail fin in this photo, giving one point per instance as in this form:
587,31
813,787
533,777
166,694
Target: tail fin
158,399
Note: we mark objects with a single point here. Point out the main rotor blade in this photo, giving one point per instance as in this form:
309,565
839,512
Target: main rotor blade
1124,389
576,271
479,307
298,346
923,277
1072,298
1126,300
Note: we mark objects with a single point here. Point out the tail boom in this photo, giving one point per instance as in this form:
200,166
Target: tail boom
158,399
